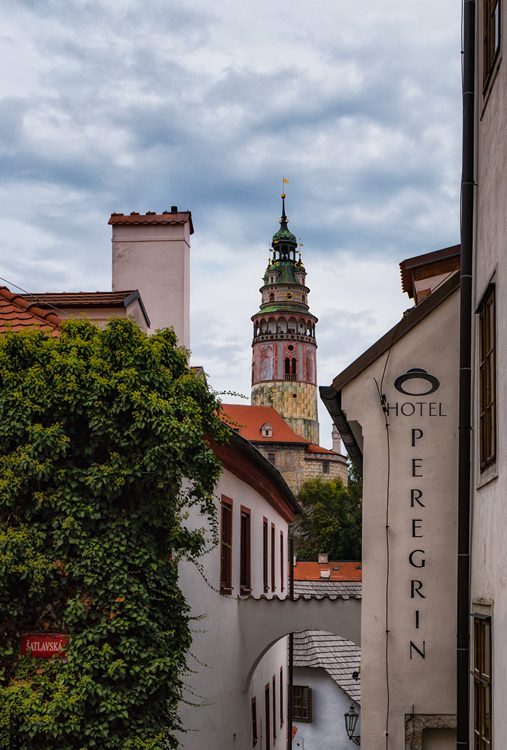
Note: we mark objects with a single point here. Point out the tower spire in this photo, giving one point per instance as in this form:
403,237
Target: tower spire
284,220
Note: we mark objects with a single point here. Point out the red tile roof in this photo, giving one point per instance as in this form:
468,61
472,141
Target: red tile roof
319,449
16,314
294,731
311,571
248,420
166,217
79,299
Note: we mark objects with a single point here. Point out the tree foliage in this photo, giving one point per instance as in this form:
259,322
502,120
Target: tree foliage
330,520
101,452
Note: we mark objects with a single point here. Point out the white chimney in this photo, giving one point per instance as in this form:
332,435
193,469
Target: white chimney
151,252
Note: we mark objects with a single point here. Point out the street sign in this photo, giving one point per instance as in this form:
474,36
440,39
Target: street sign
44,645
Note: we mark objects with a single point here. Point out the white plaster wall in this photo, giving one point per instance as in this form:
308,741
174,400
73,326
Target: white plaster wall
489,508
218,644
427,684
330,703
156,260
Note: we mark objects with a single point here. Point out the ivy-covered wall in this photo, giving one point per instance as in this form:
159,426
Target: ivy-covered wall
98,429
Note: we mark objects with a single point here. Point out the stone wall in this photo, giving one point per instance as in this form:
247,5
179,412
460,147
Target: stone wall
296,466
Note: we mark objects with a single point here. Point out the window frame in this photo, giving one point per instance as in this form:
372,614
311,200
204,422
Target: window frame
255,735
482,678
282,556
273,557
491,38
282,706
267,713
304,705
226,534
487,379
325,467
274,708
245,551
265,558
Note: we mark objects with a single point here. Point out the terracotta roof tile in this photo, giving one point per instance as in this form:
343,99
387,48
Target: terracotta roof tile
181,217
16,314
319,449
311,571
248,420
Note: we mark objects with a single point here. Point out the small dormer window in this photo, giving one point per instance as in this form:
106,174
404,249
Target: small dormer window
266,430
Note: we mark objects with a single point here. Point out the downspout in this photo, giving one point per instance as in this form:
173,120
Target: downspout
465,379
291,649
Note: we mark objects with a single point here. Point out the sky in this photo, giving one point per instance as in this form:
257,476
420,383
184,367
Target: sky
124,106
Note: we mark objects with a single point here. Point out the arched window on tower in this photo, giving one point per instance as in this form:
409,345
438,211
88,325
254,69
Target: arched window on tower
293,369
287,368
271,297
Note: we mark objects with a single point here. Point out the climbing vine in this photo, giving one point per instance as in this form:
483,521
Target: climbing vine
101,453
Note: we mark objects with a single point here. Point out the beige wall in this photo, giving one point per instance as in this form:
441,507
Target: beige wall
156,260
427,684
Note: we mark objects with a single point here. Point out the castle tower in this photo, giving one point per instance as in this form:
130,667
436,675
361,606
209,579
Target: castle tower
284,361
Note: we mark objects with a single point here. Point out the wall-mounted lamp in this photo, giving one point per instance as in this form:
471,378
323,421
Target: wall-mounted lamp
351,718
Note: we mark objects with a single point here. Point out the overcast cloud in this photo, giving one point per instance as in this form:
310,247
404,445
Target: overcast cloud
123,106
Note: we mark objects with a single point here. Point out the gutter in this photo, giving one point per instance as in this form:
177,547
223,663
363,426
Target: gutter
465,379
333,402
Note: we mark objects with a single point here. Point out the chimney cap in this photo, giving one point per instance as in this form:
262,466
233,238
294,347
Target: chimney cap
174,209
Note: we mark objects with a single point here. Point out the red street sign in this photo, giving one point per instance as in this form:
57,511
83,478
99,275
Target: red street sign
44,645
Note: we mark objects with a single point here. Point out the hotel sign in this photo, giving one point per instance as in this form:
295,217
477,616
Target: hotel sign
44,645
415,431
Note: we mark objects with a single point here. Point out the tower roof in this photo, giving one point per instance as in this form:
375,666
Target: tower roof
283,233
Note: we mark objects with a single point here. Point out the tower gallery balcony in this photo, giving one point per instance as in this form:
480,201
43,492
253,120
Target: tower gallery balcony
267,336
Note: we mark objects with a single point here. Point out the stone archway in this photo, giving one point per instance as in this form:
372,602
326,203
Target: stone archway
264,621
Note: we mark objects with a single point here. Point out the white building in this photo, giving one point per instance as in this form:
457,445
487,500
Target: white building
326,685
397,410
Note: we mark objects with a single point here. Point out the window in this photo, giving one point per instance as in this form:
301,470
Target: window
293,371
325,467
282,707
482,683
271,458
226,546
255,736
245,581
302,703
287,368
267,708
487,378
282,579
265,542
491,37
273,553
274,709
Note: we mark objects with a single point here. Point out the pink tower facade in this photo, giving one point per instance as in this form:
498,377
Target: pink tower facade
284,357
